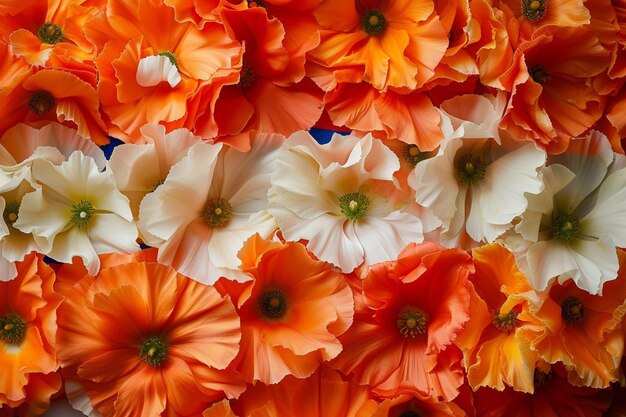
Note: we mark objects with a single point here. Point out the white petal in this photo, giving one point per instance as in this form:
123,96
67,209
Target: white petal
7,270
41,217
152,70
597,263
75,242
608,217
109,233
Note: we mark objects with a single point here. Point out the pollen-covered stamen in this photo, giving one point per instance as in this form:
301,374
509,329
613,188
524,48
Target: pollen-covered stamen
565,227
413,155
11,209
41,102
354,205
572,310
374,23
218,212
273,304
534,10
81,213
411,322
12,328
539,74
50,33
246,77
505,322
470,169
153,351
170,56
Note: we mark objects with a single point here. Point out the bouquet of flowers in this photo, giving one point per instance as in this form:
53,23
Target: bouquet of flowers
338,208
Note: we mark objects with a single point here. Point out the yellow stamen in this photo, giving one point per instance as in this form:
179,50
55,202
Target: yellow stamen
9,327
373,20
535,5
12,217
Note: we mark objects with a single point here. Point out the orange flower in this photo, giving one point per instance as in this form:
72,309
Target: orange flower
151,66
167,335
410,406
553,97
385,43
553,397
28,307
53,94
583,331
495,351
411,311
38,392
291,313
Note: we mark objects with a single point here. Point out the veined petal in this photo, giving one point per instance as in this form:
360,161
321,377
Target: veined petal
152,70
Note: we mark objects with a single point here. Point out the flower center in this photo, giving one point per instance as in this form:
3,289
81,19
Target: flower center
246,77
572,310
354,205
534,10
539,74
411,322
10,212
273,304
218,212
257,3
541,378
153,351
374,23
81,213
12,328
470,169
410,413
170,56
50,33
565,227
505,322
413,155
41,102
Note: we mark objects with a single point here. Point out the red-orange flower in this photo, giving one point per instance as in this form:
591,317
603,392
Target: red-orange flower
38,393
411,311
291,313
167,335
28,326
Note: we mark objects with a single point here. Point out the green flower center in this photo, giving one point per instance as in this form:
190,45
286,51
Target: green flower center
41,102
539,74
10,212
273,304
12,328
565,227
153,351
534,10
541,378
470,169
50,33
411,322
572,310
413,155
81,213
374,23
505,322
246,77
170,56
218,212
354,205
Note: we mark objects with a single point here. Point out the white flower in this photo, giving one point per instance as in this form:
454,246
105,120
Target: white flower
77,211
334,196
213,199
570,230
478,182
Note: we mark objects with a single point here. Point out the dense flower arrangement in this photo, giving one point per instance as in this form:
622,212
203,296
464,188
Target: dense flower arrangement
456,249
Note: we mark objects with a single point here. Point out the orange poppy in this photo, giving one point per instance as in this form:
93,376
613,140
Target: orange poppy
151,66
495,351
387,44
171,339
583,331
553,397
553,96
28,307
291,313
410,313
411,406
38,393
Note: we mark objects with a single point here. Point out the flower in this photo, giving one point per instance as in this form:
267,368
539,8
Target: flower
77,211
406,319
412,406
335,196
28,326
168,336
38,393
291,313
208,206
571,228
478,181
497,353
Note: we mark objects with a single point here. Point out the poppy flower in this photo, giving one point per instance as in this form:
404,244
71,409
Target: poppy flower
411,312
171,338
28,327
39,390
291,312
